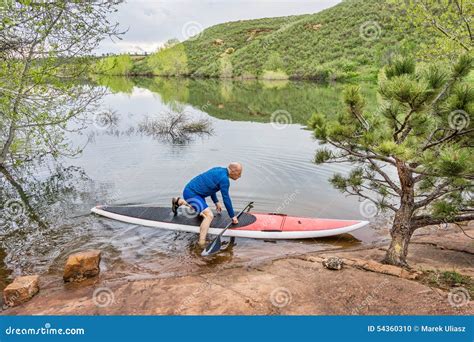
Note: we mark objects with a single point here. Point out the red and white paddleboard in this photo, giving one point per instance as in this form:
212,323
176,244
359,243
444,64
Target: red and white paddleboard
251,225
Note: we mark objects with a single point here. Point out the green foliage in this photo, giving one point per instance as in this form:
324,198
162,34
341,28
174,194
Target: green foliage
170,61
463,66
44,57
436,76
324,46
353,99
406,90
448,23
226,70
447,280
249,100
322,156
417,144
444,209
114,65
453,161
274,62
400,66
274,75
116,84
339,182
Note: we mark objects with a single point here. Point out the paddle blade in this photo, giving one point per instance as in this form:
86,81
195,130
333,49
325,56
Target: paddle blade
213,247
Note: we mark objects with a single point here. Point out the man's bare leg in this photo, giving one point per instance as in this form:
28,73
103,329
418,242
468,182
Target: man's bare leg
176,202
205,224
183,202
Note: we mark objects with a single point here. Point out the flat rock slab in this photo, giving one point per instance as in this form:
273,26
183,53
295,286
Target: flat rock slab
82,265
288,286
291,286
21,290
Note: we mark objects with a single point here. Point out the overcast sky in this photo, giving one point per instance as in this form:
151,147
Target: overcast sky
150,23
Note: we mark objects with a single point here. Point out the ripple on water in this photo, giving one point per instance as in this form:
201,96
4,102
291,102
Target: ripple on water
278,175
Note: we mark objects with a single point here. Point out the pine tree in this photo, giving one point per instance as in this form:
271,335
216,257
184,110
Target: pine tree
413,156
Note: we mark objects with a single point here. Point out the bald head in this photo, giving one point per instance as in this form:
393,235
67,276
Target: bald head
235,170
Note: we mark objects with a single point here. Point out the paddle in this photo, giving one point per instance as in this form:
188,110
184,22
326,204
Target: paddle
215,245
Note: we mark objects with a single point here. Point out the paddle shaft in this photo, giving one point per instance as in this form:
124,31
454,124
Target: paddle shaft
215,245
250,205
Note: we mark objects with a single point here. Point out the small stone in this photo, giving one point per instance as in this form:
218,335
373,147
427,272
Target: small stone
333,263
21,290
82,265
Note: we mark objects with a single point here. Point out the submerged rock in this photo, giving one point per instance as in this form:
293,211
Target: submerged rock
333,263
21,290
82,265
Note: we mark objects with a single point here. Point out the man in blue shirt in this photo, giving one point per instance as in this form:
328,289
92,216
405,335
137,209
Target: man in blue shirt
205,185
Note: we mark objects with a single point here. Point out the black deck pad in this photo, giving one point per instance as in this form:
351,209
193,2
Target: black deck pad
161,214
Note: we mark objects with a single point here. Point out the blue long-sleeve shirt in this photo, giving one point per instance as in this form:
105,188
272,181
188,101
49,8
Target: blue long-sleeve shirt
210,182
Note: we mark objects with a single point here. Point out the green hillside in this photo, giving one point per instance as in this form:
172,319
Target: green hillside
350,39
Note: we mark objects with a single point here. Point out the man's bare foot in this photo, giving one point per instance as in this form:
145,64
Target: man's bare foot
175,205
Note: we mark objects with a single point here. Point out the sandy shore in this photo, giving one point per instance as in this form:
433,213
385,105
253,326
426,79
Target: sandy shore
291,285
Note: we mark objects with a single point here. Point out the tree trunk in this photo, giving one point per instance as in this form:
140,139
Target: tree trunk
401,233
402,230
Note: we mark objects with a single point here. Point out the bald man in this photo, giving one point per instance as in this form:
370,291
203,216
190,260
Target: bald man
205,185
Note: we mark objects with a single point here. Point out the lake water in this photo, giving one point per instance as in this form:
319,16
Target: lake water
122,165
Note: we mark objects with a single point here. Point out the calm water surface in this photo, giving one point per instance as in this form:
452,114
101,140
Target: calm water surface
120,165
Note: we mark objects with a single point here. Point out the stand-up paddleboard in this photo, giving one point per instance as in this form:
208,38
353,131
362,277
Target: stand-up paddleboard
255,225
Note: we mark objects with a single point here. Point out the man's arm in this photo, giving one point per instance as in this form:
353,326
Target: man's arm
225,184
214,198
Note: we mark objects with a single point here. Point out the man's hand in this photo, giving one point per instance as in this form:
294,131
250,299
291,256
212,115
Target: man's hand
235,220
219,207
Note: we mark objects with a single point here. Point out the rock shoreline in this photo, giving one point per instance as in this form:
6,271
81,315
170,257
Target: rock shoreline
296,285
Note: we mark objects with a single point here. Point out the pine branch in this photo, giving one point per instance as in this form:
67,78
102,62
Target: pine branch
426,220
402,127
466,22
361,155
442,29
453,135
379,170
357,192
438,192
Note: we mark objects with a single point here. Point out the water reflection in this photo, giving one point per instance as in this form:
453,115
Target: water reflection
249,100
123,162
35,202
